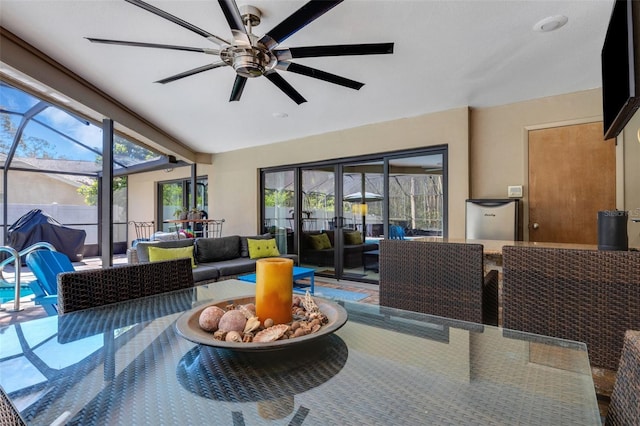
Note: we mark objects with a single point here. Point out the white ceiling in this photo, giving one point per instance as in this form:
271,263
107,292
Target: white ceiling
448,54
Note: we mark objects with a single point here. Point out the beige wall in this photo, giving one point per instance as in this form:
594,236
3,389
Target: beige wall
499,150
487,152
233,187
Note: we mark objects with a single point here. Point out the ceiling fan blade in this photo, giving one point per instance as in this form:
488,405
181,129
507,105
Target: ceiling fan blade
334,50
320,75
153,45
296,21
282,84
238,87
234,19
166,15
191,72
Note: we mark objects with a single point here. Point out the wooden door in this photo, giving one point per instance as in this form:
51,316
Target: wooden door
572,176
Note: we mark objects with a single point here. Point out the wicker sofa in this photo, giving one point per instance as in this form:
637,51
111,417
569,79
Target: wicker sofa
590,296
215,258
353,252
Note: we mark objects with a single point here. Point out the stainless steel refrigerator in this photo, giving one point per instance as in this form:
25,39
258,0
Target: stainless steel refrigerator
492,219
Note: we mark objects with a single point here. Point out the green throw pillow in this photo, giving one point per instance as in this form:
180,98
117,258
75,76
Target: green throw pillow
352,238
319,241
158,253
262,248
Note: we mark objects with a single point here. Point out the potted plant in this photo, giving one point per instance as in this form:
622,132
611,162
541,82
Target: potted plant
194,214
180,214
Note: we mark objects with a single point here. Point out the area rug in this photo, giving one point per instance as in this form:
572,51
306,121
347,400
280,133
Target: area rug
345,274
337,294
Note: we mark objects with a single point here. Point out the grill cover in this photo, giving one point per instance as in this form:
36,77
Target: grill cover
37,226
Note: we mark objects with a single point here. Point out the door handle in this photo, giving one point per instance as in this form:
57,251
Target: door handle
535,225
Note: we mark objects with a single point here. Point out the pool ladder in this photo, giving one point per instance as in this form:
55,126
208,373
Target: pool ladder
15,259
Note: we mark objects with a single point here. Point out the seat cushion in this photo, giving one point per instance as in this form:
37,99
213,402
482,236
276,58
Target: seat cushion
233,267
205,273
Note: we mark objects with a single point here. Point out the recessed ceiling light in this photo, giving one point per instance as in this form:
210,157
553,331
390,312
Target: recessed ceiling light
280,115
550,23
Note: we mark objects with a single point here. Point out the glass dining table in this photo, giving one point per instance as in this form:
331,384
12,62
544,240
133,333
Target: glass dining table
127,364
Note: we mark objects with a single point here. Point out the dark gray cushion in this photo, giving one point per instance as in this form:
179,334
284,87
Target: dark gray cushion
142,248
244,245
205,272
232,267
216,249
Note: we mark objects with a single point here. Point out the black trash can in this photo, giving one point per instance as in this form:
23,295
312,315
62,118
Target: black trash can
612,230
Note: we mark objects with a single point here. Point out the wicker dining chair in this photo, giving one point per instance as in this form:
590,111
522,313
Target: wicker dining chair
624,408
9,415
589,296
90,288
437,278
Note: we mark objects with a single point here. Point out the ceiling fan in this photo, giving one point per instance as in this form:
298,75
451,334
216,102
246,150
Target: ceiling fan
254,56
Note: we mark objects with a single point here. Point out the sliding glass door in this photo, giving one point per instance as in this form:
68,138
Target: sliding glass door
174,197
333,214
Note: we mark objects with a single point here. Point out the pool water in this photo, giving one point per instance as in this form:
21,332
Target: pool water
7,293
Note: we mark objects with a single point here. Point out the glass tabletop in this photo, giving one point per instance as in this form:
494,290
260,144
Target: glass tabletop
125,364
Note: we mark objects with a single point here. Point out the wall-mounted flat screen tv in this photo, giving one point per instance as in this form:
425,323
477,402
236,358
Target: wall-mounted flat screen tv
621,67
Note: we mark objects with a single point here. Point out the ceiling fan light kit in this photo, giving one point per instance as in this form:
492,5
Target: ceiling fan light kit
252,56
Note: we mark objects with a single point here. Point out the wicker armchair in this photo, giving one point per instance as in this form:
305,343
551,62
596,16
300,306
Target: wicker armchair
90,288
589,296
9,415
444,279
624,408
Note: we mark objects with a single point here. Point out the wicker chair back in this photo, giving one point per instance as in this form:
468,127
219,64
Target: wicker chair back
9,415
590,296
444,279
90,288
624,408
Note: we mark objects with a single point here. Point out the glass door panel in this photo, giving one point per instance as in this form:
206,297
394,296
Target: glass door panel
317,216
416,196
173,202
279,206
362,206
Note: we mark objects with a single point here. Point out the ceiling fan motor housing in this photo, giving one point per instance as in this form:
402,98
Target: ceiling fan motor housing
248,61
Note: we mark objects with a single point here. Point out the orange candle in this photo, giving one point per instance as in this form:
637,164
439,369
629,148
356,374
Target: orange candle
274,289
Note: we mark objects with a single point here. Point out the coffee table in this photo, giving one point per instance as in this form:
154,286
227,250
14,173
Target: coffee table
298,274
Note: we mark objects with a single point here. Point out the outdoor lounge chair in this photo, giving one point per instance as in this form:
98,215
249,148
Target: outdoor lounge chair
46,265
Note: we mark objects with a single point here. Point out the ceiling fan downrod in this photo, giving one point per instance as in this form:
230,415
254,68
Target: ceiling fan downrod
249,60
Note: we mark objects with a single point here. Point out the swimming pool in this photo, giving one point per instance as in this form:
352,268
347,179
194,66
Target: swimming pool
8,293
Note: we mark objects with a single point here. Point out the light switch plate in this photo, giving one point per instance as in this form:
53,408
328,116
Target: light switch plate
515,191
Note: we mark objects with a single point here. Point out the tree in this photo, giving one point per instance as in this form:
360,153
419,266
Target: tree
29,146
121,147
